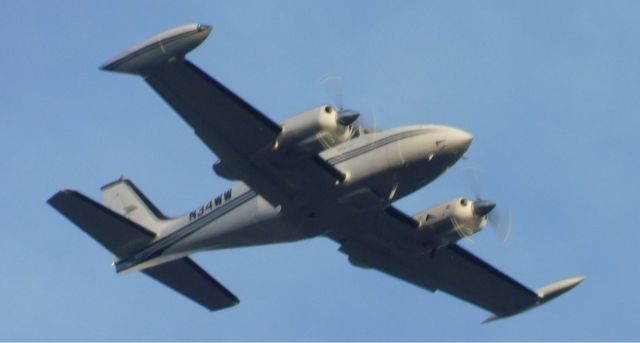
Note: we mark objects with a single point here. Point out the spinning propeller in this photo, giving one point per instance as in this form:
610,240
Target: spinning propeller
499,218
333,86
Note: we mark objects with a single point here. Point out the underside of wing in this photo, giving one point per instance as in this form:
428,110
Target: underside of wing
225,122
467,277
239,134
235,131
386,246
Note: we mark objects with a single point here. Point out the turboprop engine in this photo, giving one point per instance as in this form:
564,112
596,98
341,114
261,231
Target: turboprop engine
316,130
451,221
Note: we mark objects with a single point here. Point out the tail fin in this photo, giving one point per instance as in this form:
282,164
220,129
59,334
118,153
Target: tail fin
124,198
123,237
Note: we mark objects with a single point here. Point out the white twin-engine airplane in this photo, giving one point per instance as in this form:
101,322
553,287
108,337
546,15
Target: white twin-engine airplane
316,174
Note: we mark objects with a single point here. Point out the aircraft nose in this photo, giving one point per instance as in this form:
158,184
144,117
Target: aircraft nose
458,140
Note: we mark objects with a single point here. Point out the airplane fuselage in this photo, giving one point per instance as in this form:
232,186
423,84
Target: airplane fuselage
382,167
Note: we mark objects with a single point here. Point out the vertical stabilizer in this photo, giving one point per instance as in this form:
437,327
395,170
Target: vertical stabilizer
124,198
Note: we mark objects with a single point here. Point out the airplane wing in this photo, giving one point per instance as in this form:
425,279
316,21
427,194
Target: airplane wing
235,131
220,118
450,269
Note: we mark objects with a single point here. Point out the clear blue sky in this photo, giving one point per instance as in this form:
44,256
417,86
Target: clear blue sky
549,89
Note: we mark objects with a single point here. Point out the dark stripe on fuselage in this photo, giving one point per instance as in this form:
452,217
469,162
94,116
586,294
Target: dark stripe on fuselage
376,144
158,247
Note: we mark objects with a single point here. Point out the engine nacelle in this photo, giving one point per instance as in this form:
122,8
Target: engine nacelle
313,131
449,222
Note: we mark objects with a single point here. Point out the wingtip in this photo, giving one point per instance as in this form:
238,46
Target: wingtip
52,199
556,289
159,49
490,319
546,294
232,302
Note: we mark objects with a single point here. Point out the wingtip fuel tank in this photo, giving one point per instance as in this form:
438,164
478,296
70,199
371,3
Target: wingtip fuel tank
162,48
547,293
556,289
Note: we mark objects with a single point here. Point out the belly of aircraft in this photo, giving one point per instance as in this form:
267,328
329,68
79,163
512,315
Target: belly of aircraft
254,223
378,178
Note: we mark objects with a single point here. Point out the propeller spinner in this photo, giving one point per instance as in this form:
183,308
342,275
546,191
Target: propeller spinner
347,117
500,219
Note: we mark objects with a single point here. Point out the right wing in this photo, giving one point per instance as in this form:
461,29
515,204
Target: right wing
386,244
452,270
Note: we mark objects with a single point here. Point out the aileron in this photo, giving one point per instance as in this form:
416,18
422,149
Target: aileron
465,276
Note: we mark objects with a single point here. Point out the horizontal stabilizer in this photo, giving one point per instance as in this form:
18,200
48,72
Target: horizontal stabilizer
116,233
186,277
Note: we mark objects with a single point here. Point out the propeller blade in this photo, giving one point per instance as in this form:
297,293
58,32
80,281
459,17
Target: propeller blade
333,87
368,120
498,218
473,178
464,234
501,221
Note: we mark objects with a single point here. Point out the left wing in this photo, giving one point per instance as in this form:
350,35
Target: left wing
240,135
225,122
385,245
